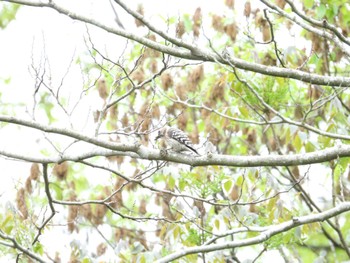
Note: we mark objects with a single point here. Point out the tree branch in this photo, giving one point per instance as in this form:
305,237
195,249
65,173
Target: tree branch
323,23
192,52
14,244
145,153
50,200
266,235
311,28
69,133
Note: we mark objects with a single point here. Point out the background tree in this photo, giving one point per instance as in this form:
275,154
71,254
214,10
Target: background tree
261,87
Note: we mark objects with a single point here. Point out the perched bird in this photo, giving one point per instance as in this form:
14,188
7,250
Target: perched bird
176,139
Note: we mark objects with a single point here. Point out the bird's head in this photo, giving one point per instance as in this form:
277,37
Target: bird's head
161,133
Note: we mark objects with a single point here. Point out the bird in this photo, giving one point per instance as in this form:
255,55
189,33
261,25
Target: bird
176,139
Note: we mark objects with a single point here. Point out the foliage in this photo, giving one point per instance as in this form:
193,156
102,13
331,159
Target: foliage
124,205
7,13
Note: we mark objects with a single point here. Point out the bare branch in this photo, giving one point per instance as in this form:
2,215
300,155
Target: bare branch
50,200
193,52
324,23
311,28
14,244
266,235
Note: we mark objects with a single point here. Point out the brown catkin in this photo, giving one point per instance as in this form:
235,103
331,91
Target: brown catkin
113,111
138,75
200,206
125,120
142,208
266,32
217,23
34,171
72,213
28,186
86,211
61,170
99,214
21,203
230,3
281,3
197,21
166,80
247,9
180,29
102,89
231,30
155,111
218,91
195,76
182,121
101,249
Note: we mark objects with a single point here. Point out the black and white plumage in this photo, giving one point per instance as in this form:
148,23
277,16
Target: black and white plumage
176,139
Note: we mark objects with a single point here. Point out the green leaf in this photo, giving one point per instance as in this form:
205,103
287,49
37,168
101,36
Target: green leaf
324,141
5,226
142,259
58,191
171,182
81,183
227,186
176,232
297,142
193,237
38,248
244,111
309,147
308,3
321,11
201,126
239,180
338,171
344,162
217,223
187,22
330,127
7,13
7,80
182,185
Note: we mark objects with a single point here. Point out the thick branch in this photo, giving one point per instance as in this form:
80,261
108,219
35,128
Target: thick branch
69,133
141,152
272,231
204,160
192,52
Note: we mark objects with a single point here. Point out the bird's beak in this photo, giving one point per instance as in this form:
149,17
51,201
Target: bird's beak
158,136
